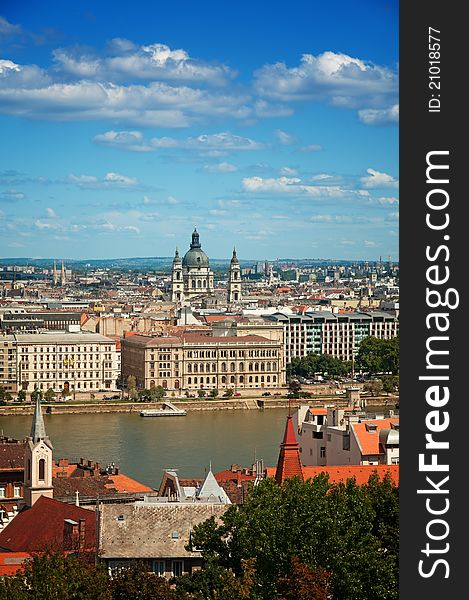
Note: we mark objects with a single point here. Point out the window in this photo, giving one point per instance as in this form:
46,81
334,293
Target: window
42,469
177,567
323,452
2,492
159,568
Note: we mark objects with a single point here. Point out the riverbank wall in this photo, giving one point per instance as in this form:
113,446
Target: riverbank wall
254,403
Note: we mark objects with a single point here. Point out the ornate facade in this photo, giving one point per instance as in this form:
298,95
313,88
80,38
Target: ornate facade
192,276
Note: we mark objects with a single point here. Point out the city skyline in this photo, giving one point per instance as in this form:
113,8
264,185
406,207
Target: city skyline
122,130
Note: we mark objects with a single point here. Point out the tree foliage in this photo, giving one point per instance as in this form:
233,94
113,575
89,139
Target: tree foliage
136,583
378,356
56,577
346,535
324,364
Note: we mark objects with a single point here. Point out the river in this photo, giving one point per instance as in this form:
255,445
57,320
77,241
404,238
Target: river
144,447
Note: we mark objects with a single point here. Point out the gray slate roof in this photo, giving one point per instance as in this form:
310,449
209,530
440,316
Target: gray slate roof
149,531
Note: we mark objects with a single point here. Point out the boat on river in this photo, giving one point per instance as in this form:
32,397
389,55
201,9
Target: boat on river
168,410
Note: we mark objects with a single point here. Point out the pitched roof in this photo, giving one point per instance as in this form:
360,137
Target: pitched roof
289,463
368,440
160,530
41,527
12,456
361,473
339,474
210,489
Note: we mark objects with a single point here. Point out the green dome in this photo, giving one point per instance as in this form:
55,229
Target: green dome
195,257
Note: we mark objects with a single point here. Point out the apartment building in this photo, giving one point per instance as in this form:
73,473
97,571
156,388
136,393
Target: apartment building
341,436
203,361
62,361
336,334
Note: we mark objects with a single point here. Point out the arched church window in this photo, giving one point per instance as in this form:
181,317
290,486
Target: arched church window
42,469
193,283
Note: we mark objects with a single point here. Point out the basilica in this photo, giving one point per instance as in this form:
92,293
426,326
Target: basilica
192,276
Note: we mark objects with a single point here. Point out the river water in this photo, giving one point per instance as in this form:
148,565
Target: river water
144,447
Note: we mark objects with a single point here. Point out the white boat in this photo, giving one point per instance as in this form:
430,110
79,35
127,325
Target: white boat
168,410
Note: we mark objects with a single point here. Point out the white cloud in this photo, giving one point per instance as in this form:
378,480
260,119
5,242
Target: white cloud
128,140
335,77
217,212
288,171
7,28
110,180
321,177
369,243
45,225
154,62
222,167
291,185
50,212
385,201
283,137
11,196
376,116
375,179
120,179
213,145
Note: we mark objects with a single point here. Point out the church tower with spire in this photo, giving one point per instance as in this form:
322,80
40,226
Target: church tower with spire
289,462
63,278
177,283
55,275
38,460
234,280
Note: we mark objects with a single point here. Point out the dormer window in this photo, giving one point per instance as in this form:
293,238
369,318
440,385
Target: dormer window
371,427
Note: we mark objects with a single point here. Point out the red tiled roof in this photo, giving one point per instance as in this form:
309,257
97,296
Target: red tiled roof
368,441
12,456
41,527
228,475
126,484
361,473
10,562
339,474
318,411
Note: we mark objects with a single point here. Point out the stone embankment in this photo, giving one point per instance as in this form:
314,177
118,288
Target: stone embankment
253,403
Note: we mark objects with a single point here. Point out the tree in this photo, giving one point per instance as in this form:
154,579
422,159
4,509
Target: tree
49,395
54,576
158,393
229,393
214,393
375,387
201,393
294,388
343,535
21,396
136,582
378,356
132,387
304,583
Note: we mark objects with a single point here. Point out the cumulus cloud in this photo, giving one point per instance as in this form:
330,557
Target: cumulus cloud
375,116
210,144
375,179
222,167
152,62
291,186
334,77
110,180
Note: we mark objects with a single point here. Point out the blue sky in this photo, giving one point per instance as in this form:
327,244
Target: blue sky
271,126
